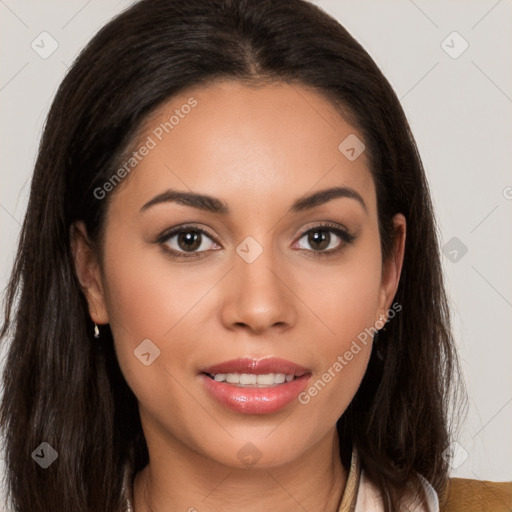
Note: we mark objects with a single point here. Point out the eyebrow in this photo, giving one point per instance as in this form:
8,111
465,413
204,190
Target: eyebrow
214,205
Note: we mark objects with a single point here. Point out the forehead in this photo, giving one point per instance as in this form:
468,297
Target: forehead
232,140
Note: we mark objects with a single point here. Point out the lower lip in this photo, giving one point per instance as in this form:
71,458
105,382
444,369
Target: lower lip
255,400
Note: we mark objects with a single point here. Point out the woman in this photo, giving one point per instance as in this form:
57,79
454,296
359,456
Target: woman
228,281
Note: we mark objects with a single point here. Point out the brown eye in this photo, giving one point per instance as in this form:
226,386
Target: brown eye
326,239
187,242
319,239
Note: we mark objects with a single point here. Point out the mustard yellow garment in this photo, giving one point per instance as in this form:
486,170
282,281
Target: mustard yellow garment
466,495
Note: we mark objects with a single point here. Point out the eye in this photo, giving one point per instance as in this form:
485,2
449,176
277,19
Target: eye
186,242
320,238
192,241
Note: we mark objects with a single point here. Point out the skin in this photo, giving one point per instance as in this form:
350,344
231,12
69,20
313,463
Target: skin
257,149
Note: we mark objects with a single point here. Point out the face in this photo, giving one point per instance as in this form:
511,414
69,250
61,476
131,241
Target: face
214,302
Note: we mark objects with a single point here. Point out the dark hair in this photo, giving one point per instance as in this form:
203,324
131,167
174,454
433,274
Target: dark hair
63,388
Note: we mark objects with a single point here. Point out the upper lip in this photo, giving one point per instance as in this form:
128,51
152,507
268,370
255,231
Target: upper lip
257,366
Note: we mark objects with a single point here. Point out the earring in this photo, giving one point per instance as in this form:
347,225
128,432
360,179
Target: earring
96,331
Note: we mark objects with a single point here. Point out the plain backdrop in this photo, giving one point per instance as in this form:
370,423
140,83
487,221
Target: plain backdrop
450,64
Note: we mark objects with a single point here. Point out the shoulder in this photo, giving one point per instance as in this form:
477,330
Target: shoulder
467,495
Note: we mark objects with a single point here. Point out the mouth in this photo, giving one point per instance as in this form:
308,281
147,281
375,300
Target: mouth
255,386
253,380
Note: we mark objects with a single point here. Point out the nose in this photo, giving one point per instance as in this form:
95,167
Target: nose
259,295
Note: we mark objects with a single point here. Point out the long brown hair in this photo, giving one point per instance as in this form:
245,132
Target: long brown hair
64,388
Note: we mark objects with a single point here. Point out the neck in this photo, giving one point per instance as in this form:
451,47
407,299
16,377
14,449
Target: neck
183,480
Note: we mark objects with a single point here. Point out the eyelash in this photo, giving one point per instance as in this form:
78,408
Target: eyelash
346,237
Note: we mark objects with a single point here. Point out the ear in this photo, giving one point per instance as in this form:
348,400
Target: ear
392,267
88,272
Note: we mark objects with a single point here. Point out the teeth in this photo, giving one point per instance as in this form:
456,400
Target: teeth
250,379
246,378
280,378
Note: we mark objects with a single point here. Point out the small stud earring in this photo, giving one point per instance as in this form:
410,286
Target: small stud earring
96,331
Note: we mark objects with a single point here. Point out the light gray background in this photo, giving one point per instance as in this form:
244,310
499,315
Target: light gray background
460,112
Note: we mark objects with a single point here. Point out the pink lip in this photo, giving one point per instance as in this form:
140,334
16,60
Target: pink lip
261,366
248,400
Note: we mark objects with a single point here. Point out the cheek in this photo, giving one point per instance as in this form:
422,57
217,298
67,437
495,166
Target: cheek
347,303
148,301
345,297
149,295
343,354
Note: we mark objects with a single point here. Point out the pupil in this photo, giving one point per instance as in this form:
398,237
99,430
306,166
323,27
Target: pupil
322,239
190,239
